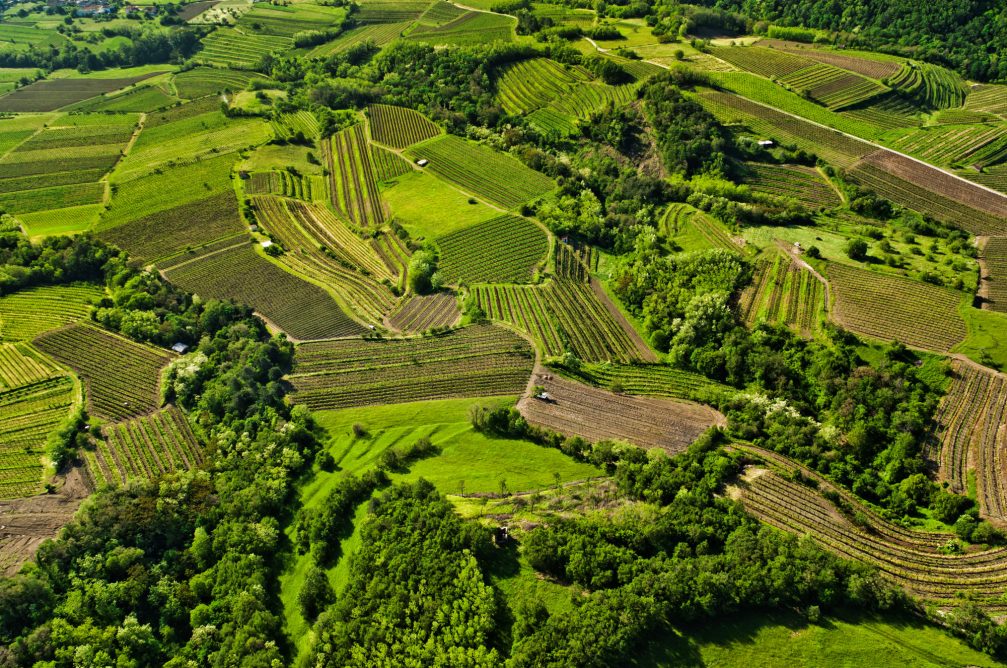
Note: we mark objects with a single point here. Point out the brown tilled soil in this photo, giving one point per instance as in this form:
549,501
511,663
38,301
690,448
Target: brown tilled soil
581,410
26,523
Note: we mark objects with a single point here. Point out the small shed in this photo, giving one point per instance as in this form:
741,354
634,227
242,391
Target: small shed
267,243
180,348
544,396
422,162
765,143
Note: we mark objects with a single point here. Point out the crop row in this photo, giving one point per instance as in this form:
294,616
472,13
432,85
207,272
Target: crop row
932,85
867,66
887,112
803,184
475,361
994,255
51,94
656,380
829,144
799,509
122,377
523,307
468,29
392,251
301,309
353,184
279,183
831,86
391,12
289,126
20,364
145,447
27,313
204,81
379,33
57,197
784,293
895,308
551,122
388,165
575,409
978,145
505,249
530,84
228,47
573,263
924,194
422,312
399,127
306,254
587,98
760,60
990,98
483,171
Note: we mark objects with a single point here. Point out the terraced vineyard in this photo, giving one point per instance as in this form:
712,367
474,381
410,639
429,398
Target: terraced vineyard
994,256
353,183
870,66
203,81
971,429
912,559
314,243
561,315
530,84
144,448
121,378
931,191
393,11
763,61
575,409
505,249
784,293
29,411
422,312
835,88
399,127
803,184
989,98
471,362
895,308
21,364
27,313
301,309
682,220
51,94
379,33
931,85
468,29
482,171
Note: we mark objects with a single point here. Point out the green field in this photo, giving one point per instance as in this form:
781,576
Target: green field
506,249
429,207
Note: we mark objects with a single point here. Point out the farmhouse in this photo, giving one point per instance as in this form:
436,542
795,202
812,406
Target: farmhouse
422,162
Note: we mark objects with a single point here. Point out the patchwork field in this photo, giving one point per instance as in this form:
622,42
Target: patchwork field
915,313
230,47
121,378
353,183
473,361
422,312
574,409
51,94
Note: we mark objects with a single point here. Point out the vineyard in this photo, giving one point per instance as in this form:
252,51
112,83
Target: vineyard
693,229
561,315
353,183
530,84
990,99
388,165
912,559
399,127
282,183
870,67
296,126
971,429
230,47
892,308
393,11
803,184
317,247
121,378
574,409
930,85
835,88
144,448
994,258
203,81
505,249
931,191
27,313
20,364
471,362
422,312
52,94
972,145
299,308
763,61
831,145
654,380
483,171
379,33
468,29
886,112
784,293
29,412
